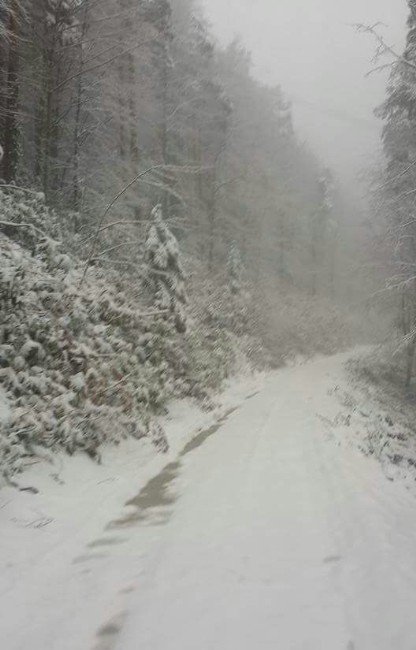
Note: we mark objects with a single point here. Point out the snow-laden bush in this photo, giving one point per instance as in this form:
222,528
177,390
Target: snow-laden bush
87,363
91,362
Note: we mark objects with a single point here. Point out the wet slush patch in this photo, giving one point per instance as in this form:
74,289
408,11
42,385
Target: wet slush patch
87,557
154,503
106,541
199,440
107,635
202,436
154,496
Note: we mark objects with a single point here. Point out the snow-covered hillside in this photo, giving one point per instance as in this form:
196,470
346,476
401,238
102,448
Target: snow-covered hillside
91,358
90,355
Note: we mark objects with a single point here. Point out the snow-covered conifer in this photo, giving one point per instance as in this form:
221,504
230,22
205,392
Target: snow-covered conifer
164,274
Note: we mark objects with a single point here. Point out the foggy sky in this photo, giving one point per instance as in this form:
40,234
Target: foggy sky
312,50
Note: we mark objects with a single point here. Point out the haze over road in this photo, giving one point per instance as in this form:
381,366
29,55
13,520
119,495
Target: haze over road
312,49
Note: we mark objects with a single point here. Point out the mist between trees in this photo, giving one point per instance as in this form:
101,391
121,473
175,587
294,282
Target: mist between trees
161,220
95,92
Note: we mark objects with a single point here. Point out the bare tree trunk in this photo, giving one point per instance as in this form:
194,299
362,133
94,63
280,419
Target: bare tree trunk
164,123
410,363
76,182
10,138
46,133
408,323
314,270
133,118
212,218
332,268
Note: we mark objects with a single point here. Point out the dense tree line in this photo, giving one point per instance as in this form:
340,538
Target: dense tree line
94,95
162,226
394,223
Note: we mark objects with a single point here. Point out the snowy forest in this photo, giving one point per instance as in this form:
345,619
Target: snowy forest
207,324
161,220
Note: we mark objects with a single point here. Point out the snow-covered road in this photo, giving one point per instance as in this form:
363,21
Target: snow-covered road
263,533
279,538
249,557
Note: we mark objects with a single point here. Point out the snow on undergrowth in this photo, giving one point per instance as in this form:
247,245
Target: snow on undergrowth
88,362
84,364
376,416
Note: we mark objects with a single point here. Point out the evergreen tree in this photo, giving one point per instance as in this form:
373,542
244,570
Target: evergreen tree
10,26
399,109
395,198
164,273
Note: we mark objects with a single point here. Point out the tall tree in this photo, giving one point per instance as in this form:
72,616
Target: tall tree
395,197
10,20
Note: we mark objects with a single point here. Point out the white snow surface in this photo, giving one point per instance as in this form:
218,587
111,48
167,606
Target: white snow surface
266,532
